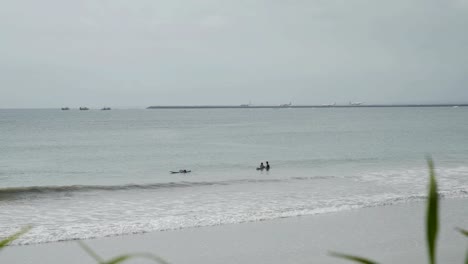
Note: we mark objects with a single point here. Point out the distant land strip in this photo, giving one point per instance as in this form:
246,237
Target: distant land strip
300,106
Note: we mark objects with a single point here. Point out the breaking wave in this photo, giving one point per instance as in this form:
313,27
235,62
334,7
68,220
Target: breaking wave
18,192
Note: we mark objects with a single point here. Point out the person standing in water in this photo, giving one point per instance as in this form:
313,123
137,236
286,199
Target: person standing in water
261,166
267,166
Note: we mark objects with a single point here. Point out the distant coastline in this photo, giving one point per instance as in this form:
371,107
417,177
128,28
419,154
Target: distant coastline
300,106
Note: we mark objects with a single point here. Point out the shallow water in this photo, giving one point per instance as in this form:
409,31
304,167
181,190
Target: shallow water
77,174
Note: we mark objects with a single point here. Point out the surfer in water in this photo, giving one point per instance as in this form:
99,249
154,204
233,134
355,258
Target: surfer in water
267,166
181,171
261,166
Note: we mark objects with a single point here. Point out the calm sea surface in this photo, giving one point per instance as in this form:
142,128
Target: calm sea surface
81,174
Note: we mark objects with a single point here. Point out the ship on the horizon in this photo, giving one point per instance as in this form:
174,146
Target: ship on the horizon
329,105
84,108
246,105
105,108
356,103
65,108
286,105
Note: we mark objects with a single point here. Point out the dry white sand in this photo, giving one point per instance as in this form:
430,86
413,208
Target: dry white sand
390,234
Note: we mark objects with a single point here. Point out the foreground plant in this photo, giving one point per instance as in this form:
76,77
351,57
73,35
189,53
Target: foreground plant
13,237
464,232
352,258
432,223
432,215
121,258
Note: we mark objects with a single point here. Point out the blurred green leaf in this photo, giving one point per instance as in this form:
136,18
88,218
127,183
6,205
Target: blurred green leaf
352,258
13,237
463,231
117,259
121,258
432,221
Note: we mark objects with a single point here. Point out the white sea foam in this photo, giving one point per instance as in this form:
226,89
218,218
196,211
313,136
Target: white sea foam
79,219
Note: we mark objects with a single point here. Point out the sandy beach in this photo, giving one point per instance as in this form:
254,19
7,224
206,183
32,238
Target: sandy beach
389,234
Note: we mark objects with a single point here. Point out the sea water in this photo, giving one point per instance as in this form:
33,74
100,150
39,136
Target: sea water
86,174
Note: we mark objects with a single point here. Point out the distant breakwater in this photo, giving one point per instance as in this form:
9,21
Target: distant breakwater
300,106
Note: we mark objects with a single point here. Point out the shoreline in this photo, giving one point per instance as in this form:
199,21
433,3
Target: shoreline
388,234
320,211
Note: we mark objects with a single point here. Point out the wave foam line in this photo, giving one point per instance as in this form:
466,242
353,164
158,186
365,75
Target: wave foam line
92,232
19,191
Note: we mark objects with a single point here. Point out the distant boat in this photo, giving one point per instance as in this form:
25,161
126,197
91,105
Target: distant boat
246,105
355,103
65,108
286,105
84,108
329,105
105,108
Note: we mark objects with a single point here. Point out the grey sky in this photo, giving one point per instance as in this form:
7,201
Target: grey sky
163,52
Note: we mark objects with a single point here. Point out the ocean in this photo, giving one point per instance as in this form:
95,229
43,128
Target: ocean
88,174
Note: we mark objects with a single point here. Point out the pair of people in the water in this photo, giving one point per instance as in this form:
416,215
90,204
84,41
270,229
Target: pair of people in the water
263,167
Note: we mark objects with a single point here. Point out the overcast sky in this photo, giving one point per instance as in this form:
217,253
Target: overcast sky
136,53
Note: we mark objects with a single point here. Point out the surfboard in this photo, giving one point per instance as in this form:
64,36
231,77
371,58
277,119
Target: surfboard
173,172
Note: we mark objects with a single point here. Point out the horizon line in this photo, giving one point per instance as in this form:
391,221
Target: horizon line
259,106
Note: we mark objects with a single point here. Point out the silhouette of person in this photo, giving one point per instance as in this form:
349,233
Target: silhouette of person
267,166
261,166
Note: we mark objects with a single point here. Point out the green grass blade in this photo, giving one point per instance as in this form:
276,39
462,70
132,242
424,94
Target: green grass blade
155,258
123,258
463,231
91,252
13,237
352,258
118,259
432,215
